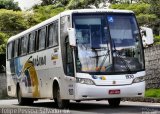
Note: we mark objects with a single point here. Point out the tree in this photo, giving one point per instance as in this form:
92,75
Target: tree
155,9
79,4
3,41
54,2
42,13
9,4
47,2
12,22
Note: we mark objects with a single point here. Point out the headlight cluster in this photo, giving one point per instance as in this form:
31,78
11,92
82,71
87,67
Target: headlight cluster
139,79
85,81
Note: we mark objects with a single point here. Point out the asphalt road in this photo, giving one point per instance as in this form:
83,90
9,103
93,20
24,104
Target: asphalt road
84,107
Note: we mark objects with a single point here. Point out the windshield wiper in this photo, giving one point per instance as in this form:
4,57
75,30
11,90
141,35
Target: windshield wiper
122,59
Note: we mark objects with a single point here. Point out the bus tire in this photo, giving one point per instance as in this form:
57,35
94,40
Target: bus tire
78,101
61,103
114,102
21,100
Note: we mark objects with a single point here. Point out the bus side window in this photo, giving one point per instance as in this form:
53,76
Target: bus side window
41,38
10,50
19,46
24,45
50,35
16,43
32,40
53,34
11,57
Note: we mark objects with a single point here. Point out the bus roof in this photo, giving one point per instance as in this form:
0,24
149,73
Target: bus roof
68,12
95,11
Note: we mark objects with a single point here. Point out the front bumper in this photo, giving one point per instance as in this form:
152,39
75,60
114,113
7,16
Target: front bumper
84,92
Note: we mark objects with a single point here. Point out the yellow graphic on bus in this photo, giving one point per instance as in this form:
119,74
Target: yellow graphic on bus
54,56
32,79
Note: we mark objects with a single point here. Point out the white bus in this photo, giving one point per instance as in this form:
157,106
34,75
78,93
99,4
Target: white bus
88,54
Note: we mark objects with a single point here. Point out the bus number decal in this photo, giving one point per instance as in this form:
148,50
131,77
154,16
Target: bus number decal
130,76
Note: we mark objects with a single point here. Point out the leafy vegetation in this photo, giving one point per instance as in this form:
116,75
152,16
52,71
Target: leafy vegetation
9,4
44,12
3,41
152,93
13,21
157,39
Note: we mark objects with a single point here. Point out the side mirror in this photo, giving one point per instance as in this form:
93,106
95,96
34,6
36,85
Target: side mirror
72,36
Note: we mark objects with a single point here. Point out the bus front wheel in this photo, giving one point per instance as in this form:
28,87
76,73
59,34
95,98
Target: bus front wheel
115,102
61,103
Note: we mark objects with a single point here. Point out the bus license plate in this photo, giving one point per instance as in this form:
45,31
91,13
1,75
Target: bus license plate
117,91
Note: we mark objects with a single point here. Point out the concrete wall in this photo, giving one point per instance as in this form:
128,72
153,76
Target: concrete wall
152,58
3,85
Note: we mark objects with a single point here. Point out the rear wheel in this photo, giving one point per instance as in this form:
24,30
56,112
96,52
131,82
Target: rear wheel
114,102
21,100
61,103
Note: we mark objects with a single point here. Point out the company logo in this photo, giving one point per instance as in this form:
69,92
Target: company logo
31,78
103,78
114,82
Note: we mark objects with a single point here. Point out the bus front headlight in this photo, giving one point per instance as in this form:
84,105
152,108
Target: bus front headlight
139,79
85,81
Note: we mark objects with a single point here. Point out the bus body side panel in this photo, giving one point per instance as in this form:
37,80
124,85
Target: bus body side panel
11,80
47,73
35,74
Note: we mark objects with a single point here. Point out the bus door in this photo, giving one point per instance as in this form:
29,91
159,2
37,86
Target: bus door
67,59
70,70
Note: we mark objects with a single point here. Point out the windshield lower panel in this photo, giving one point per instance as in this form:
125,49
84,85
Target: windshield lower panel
107,43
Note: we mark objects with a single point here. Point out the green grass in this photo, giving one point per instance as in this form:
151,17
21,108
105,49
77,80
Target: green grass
152,93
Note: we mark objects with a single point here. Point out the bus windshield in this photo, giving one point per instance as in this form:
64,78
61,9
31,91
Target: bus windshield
108,43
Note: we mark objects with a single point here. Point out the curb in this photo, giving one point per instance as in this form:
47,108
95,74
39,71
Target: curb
138,99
